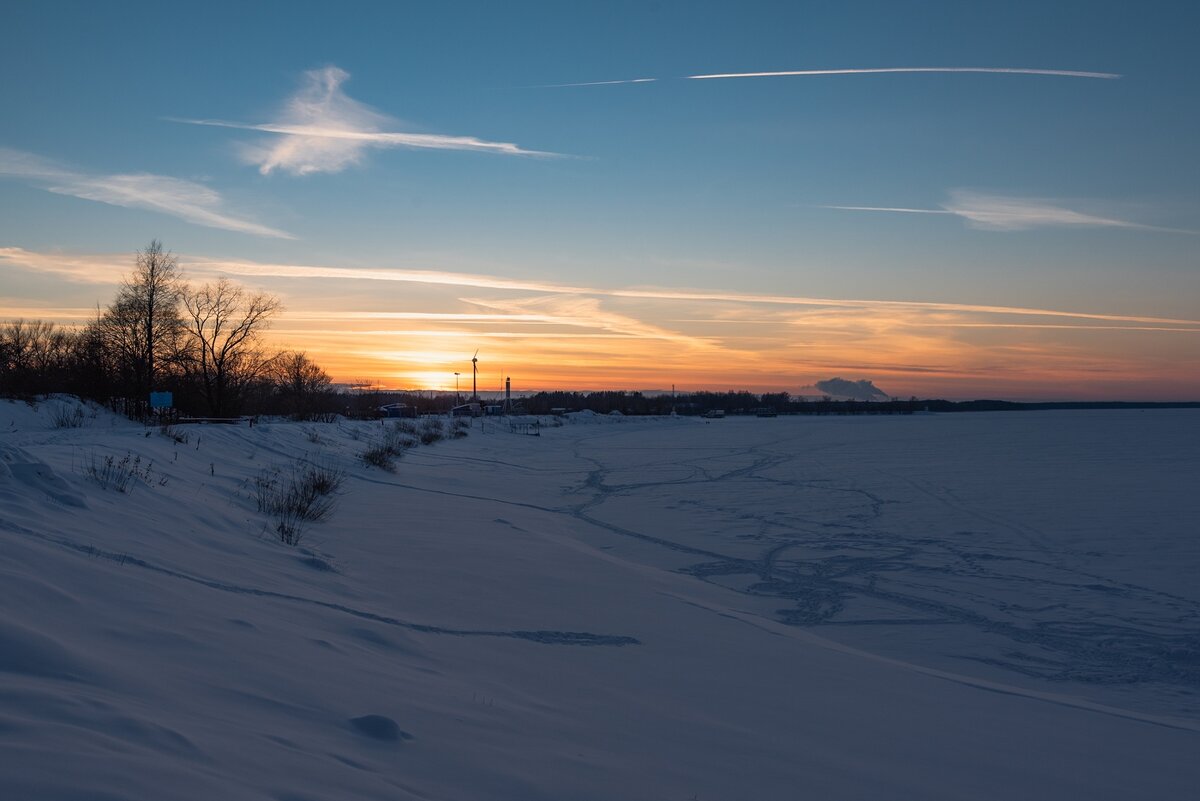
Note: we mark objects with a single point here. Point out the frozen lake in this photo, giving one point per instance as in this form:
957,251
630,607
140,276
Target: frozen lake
1057,546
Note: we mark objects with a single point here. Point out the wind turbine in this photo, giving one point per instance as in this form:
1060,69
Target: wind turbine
475,375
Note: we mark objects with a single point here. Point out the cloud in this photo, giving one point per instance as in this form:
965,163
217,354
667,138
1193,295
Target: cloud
435,277
862,390
1007,213
322,129
1000,213
88,269
587,312
102,269
453,317
192,202
443,278
859,71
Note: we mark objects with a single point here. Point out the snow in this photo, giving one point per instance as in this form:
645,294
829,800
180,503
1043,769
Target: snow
938,606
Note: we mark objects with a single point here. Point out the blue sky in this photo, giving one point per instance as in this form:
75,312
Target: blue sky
1050,192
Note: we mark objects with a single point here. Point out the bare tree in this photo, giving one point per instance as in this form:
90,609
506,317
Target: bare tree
299,382
142,326
34,357
223,329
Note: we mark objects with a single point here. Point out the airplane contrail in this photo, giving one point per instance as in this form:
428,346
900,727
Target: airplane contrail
874,70
889,208
861,71
385,138
593,83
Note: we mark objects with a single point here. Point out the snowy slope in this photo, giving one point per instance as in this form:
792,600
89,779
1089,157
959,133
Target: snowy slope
971,606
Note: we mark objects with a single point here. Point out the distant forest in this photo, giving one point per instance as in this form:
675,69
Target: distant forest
731,403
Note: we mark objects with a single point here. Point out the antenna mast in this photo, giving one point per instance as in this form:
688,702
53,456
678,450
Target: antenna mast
475,376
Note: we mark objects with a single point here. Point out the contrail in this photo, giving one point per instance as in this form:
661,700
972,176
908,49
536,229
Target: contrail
875,70
866,71
384,138
889,208
593,83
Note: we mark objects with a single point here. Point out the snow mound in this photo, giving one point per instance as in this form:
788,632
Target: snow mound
379,727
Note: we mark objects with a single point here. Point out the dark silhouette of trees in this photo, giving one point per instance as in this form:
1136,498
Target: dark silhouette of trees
222,346
34,357
141,329
202,343
302,388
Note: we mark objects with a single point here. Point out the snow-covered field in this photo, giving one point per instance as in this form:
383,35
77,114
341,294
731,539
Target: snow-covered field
972,606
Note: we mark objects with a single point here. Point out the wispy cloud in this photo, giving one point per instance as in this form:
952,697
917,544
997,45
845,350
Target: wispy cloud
1000,213
186,200
856,71
436,277
100,269
1006,213
442,278
587,312
80,268
322,129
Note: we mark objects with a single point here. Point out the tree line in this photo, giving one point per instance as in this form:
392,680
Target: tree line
203,343
735,402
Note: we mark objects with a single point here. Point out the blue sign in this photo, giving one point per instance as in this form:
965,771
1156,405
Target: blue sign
161,400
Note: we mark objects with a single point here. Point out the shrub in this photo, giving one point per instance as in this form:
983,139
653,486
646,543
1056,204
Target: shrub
304,496
380,456
431,431
396,440
173,433
118,473
67,415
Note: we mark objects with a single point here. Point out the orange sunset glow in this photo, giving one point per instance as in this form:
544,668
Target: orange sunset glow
554,335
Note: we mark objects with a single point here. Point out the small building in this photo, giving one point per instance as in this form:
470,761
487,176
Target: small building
398,410
467,410
715,414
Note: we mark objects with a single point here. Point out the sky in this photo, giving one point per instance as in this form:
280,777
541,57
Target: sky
956,200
